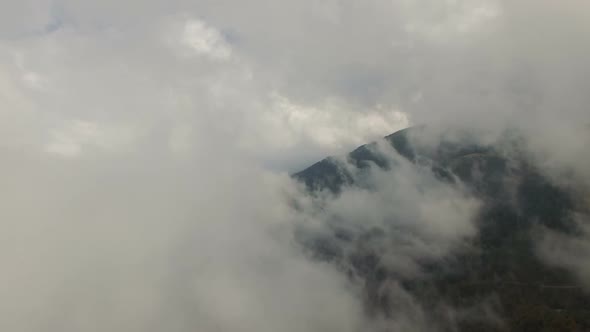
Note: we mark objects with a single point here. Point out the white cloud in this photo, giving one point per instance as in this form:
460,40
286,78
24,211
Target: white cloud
78,135
115,232
330,125
205,40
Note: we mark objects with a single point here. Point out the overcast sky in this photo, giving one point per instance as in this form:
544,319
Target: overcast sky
285,82
144,144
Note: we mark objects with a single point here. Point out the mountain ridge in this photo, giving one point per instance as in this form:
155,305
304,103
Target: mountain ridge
518,203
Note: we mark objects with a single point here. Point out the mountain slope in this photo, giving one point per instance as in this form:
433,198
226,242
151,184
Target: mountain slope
494,280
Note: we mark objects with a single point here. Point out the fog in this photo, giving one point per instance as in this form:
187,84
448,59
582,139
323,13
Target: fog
146,147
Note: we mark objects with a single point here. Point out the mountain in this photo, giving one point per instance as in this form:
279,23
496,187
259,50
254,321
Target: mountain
494,280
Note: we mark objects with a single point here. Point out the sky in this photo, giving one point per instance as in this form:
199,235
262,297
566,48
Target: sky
145,145
285,82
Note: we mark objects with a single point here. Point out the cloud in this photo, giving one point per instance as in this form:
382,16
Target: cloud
137,243
144,146
79,135
386,230
568,252
205,40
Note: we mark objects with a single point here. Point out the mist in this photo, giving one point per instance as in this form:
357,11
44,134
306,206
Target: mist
146,149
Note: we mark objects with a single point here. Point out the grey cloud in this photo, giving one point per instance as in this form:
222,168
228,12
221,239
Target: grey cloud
131,149
141,244
386,229
568,252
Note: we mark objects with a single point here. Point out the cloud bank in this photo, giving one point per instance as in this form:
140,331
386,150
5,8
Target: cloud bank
144,147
